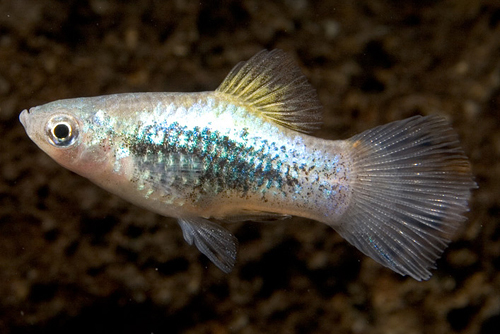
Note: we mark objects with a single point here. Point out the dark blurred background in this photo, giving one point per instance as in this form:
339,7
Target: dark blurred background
75,259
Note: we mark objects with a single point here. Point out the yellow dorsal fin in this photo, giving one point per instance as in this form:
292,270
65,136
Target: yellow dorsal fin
272,85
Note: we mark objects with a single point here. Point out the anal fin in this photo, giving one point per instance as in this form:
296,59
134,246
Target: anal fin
214,241
256,216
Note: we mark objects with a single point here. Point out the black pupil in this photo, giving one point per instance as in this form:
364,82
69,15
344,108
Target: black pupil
61,131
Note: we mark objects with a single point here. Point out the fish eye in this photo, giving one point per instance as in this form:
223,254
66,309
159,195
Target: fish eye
62,130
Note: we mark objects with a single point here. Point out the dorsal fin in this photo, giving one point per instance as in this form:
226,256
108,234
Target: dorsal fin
272,85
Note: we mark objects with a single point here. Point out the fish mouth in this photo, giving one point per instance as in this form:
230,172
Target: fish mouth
23,118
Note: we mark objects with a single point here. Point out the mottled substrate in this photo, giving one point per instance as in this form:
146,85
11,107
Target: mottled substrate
76,259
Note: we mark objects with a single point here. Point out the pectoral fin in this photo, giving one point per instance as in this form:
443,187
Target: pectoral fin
217,243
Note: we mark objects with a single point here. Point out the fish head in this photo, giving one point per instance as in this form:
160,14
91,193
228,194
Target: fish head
65,130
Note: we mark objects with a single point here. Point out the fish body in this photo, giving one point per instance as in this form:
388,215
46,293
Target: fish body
397,192
195,154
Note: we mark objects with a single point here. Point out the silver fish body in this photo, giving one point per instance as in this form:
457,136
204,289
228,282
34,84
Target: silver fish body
195,154
396,192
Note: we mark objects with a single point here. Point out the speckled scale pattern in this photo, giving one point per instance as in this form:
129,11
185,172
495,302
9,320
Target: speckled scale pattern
179,158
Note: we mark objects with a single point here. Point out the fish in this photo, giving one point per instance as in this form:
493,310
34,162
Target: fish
244,152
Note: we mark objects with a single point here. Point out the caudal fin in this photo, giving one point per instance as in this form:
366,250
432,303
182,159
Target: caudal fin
411,185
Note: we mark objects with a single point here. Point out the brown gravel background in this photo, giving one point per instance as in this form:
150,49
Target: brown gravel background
75,259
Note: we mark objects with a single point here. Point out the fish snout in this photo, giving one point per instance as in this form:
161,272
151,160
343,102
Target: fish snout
23,118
